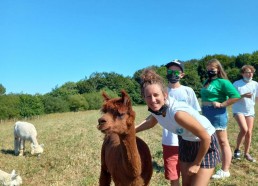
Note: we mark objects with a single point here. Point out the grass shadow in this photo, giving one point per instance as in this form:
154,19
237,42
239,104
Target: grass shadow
157,168
11,152
7,151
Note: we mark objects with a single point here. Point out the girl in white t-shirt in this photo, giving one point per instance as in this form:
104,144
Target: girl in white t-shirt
244,111
198,150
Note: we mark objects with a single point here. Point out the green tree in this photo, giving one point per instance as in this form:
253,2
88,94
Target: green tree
135,93
226,61
2,89
94,99
77,102
69,88
55,104
191,77
111,81
254,62
30,105
243,59
233,74
9,106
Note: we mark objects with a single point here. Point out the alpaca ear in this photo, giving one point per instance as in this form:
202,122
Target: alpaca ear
105,96
127,106
13,174
125,98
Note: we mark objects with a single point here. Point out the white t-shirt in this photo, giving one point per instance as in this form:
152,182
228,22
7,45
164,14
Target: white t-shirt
171,125
185,94
245,105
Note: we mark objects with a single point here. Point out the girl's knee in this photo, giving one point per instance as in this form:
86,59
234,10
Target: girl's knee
244,132
224,143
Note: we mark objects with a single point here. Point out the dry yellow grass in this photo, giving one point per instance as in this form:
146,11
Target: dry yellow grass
72,152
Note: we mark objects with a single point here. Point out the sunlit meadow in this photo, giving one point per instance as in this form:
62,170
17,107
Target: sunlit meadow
72,151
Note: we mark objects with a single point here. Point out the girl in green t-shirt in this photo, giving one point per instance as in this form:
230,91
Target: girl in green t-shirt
218,93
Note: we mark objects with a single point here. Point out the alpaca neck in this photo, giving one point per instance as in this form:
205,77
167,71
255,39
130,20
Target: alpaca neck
132,160
34,141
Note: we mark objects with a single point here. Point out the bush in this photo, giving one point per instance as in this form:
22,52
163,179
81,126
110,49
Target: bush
77,102
9,106
94,100
55,104
30,105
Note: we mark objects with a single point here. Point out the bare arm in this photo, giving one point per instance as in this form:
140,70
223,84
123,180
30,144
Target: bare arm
192,125
226,103
148,123
247,95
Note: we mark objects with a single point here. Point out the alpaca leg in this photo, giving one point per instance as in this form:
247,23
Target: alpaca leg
16,145
22,147
105,178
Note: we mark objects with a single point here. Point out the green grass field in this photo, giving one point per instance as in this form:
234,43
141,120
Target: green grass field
72,151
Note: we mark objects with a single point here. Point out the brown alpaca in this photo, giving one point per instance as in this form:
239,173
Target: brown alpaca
124,157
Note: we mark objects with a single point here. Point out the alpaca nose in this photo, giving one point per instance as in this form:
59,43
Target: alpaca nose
101,121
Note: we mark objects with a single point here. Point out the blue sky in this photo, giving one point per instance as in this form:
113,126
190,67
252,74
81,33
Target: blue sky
44,44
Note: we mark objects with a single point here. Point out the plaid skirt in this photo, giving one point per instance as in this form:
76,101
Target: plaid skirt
188,151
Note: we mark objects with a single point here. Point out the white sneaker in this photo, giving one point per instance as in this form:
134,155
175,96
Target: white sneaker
220,174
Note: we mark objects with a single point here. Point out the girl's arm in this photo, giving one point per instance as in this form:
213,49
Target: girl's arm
148,123
191,124
226,103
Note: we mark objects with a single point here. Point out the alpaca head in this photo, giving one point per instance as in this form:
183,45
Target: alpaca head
117,114
16,180
37,149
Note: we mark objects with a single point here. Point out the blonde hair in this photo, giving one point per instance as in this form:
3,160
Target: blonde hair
217,64
243,69
150,77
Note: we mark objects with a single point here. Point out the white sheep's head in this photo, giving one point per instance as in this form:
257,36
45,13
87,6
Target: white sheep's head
37,150
16,180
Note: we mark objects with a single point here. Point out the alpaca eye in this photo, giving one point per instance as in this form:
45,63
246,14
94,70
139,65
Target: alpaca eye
120,115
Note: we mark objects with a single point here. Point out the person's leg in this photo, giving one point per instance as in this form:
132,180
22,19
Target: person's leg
171,164
248,136
186,179
242,123
202,177
225,149
174,182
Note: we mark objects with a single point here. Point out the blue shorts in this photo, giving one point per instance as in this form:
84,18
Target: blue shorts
217,116
188,151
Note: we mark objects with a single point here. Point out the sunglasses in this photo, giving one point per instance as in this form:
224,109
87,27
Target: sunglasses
173,72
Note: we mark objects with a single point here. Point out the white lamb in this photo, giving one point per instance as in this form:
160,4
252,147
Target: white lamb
12,179
26,131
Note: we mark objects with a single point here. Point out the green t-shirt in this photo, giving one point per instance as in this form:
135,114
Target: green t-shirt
219,90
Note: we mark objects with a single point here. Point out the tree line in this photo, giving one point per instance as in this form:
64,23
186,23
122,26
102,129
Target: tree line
86,93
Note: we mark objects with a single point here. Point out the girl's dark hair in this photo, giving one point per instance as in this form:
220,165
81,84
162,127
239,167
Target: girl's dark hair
150,77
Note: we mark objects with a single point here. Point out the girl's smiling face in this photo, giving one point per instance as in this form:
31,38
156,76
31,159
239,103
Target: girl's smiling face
154,97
